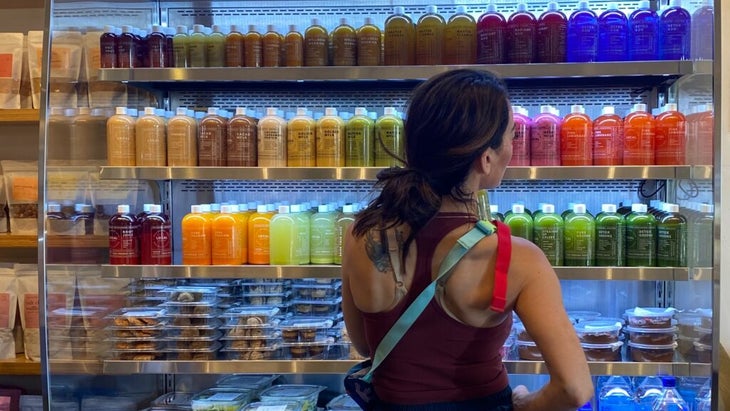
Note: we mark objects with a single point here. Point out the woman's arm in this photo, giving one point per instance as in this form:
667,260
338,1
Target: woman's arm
353,318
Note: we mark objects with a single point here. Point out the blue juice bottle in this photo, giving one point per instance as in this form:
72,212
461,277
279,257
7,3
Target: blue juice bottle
613,35
643,33
582,34
674,32
703,32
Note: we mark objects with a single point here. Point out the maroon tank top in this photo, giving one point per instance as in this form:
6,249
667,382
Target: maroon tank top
440,359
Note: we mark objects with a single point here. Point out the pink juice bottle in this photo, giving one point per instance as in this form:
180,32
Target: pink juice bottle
491,33
521,36
521,141
545,137
552,29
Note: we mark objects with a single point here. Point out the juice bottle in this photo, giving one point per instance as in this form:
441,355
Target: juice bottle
215,45
640,237
703,32
253,48
548,234
301,216
580,238
369,44
197,47
196,238
241,141
258,236
583,34
88,136
639,139
140,37
389,132
610,234
180,47
399,39
157,47
235,48
360,140
494,212
430,37
227,235
344,44
151,144
643,33
669,132
156,238
123,237
293,47
342,223
700,237
330,139
491,33
271,150
283,238
613,35
316,45
273,47
460,38
212,139
521,141
182,140
519,222
127,48
241,213
705,148
108,48
671,238
608,129
576,138
545,138
521,36
84,217
552,29
674,32
121,139
322,236
60,132
301,140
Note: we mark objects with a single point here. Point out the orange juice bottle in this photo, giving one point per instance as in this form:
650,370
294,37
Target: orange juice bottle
576,138
293,47
639,137
300,140
608,130
330,139
242,213
258,235
235,42
253,54
272,44
705,121
196,238
227,233
399,39
670,130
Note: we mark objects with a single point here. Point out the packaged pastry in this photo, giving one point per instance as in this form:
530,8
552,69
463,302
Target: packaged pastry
193,341
527,350
263,353
328,307
306,394
196,309
197,351
652,336
598,331
649,317
651,353
249,315
314,350
185,295
221,399
202,332
133,333
251,342
302,329
603,352
257,287
316,291
270,299
261,330
137,317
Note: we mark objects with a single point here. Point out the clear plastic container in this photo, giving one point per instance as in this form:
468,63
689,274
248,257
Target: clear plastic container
649,317
314,307
185,295
139,344
705,317
703,352
192,333
250,315
264,353
704,335
251,342
652,336
144,301
193,342
138,317
263,330
195,352
603,352
304,329
270,299
598,331
221,399
133,333
173,399
651,353
578,317
273,406
254,382
196,309
527,350
194,321
686,347
342,403
306,394
316,291
265,287
686,323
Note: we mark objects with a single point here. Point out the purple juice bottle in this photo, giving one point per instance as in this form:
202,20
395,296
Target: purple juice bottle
703,21
674,32
613,35
545,137
491,33
521,142
583,34
552,29
643,33
521,34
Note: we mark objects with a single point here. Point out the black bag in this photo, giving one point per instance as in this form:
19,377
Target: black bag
358,385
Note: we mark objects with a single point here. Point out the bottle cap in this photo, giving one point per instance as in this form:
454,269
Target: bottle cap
271,207
638,208
123,209
706,208
181,29
431,9
612,6
216,28
493,208
271,111
344,21
608,208
583,5
251,28
270,28
579,208
461,9
226,209
156,28
639,107
292,27
149,111
155,208
283,209
196,209
644,4
670,107
198,28
491,8
316,22
361,111
347,209
54,208
127,29
121,110
295,208
389,111
546,109
577,109
240,111
399,10
608,110
671,208
212,111
323,208
518,208
330,111
521,7
368,21
552,6
548,208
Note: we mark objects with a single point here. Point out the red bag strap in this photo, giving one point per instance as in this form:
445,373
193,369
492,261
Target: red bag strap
504,254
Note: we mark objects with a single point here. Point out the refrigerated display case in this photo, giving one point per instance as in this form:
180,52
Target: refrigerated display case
97,346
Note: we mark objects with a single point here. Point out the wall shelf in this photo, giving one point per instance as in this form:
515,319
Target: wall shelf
54,241
20,366
19,116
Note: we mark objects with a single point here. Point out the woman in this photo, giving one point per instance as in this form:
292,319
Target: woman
459,133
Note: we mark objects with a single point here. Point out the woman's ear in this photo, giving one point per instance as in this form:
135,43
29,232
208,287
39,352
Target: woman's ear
485,162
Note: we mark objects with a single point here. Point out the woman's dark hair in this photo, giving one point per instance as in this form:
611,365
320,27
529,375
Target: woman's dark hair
452,119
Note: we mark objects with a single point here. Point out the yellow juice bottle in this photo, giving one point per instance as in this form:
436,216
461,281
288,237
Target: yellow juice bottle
330,139
196,238
344,44
344,220
316,45
300,140
120,139
399,39
258,236
227,233
388,138
303,242
359,140
283,238
197,47
460,38
430,37
272,138
369,44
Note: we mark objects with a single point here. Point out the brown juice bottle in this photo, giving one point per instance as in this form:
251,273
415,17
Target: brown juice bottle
316,45
157,48
253,54
430,37
272,44
151,145
399,39
293,48
460,38
120,139
235,48
272,139
369,45
212,136
241,143
344,44
182,140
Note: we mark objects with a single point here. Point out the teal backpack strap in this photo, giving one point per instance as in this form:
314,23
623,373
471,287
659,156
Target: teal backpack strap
406,320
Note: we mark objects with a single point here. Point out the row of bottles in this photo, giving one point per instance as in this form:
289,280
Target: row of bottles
244,141
654,393
640,138
432,39
145,238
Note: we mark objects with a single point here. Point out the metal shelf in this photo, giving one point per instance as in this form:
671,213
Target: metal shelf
370,173
333,271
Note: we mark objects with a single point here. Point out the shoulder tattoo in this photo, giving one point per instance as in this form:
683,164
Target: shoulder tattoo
377,251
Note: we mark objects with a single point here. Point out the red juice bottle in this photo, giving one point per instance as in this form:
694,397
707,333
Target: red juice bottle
127,48
552,29
608,129
545,137
639,137
521,33
576,138
157,47
705,136
491,32
123,237
156,238
521,141
670,129
108,48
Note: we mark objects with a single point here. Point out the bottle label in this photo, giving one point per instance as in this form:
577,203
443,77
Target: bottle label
123,242
368,49
301,147
241,146
196,244
609,244
579,245
330,146
521,146
356,147
606,144
550,241
160,242
671,245
545,144
210,148
521,48
643,40
641,244
491,46
575,147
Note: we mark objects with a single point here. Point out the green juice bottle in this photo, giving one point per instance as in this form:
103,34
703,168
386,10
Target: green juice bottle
388,138
359,140
610,235
301,216
197,47
322,237
343,222
283,238
580,237
640,237
519,222
547,232
494,212
180,47
700,236
216,48
671,241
